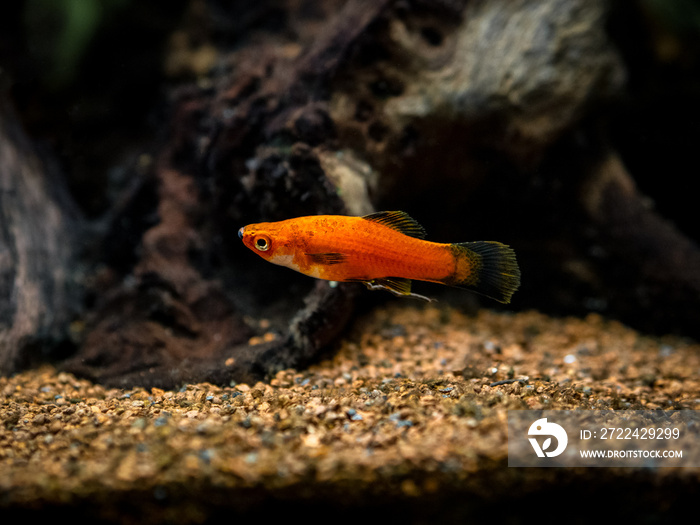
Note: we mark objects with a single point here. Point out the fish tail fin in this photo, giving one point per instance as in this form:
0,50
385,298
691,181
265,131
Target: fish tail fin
487,267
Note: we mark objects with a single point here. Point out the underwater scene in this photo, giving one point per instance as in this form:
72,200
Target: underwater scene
338,258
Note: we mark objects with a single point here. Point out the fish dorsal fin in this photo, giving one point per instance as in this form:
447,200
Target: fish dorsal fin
399,221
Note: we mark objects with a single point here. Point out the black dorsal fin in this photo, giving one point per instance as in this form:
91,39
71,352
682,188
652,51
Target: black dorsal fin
399,221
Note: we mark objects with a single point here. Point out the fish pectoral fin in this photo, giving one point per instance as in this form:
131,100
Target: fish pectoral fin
395,285
327,258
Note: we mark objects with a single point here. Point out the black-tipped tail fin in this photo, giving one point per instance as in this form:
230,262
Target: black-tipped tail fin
487,267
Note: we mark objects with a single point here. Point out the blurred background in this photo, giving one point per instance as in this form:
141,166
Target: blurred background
566,129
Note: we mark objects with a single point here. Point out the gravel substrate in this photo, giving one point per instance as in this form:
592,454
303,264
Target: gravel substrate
407,416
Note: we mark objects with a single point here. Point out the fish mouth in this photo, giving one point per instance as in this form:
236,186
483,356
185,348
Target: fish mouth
240,233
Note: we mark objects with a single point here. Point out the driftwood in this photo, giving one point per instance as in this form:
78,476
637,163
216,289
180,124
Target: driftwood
39,282
193,324
656,269
478,118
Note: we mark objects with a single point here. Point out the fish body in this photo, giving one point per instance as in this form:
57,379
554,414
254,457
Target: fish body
384,250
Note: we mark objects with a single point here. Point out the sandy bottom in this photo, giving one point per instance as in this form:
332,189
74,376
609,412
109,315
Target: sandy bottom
406,416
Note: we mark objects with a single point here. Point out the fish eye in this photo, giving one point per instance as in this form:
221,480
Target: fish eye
262,243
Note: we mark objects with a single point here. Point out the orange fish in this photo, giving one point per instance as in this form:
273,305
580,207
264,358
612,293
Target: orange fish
384,250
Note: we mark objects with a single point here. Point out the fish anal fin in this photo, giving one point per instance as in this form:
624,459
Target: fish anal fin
398,220
327,258
395,285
